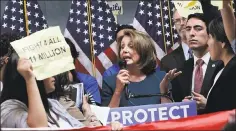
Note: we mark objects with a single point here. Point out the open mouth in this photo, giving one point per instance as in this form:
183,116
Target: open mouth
126,58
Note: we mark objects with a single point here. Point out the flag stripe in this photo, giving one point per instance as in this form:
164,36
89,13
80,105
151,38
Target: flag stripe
111,55
104,57
103,28
99,65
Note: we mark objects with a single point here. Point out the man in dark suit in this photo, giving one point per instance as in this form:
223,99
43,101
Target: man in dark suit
198,72
177,57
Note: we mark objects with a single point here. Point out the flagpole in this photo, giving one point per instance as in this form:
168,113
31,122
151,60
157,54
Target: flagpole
171,31
163,27
26,18
91,38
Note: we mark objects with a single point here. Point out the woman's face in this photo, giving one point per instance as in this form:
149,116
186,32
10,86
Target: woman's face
127,51
49,84
215,48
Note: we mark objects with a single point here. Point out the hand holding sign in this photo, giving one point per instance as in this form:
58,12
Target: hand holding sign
24,67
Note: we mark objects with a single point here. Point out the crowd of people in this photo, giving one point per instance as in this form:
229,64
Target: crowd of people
202,68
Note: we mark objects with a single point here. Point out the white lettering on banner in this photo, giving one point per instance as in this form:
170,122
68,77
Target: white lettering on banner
184,107
162,112
152,110
127,115
171,112
144,115
115,116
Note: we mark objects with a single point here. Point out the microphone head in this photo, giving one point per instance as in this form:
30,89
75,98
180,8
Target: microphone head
122,64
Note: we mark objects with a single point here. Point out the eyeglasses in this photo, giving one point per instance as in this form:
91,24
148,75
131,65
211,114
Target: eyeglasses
129,95
178,21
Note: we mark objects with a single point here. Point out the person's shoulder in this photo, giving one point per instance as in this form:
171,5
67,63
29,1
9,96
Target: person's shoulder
110,81
55,104
110,78
12,102
175,52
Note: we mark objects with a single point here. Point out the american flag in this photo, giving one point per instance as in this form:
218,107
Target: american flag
97,41
155,18
15,20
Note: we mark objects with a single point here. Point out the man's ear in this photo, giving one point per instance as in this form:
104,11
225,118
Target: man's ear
222,44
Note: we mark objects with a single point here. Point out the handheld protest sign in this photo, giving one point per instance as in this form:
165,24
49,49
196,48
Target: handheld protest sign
186,8
48,52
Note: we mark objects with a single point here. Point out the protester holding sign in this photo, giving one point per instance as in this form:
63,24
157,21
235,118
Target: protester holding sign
24,101
138,82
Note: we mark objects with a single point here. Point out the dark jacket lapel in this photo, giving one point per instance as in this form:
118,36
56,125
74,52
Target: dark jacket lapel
186,79
179,57
211,71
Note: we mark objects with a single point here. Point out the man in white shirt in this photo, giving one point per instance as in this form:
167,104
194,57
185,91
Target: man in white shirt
199,71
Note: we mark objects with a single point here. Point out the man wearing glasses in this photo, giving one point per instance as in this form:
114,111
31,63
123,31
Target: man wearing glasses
177,58
5,52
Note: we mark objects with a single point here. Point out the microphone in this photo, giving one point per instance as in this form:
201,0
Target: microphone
123,65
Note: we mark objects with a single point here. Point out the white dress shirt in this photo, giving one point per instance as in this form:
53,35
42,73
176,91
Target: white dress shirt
185,49
206,59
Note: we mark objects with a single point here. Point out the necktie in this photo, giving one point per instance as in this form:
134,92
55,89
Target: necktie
190,54
198,79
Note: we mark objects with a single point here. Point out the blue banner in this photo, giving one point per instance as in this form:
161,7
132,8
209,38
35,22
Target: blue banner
148,113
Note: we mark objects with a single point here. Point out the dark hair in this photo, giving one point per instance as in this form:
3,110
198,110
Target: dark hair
5,46
14,86
217,31
201,17
121,27
62,79
145,47
73,50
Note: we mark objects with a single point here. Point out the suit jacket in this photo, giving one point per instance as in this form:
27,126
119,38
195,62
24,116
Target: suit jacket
173,60
223,94
182,85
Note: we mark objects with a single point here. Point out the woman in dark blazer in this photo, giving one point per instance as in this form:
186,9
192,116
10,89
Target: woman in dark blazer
222,95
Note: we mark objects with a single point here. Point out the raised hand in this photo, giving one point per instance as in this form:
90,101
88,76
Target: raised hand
24,67
168,77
